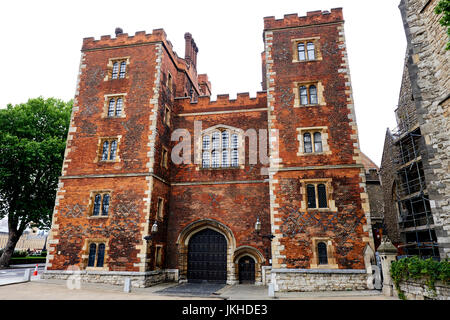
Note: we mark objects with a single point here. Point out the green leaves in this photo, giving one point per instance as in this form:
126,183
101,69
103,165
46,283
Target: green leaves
32,143
415,268
444,7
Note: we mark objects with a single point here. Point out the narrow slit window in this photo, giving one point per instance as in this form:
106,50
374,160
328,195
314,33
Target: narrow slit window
318,142
311,51
160,208
307,142
322,253
311,194
303,95
92,254
123,68
301,52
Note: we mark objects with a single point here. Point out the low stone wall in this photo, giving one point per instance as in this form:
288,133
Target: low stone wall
306,280
418,290
266,275
138,279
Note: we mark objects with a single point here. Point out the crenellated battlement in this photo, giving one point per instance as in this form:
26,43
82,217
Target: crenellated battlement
124,39
311,18
223,102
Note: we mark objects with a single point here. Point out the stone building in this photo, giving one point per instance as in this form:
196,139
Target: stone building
160,183
415,166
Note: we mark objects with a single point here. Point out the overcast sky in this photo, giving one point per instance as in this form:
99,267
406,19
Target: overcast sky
41,42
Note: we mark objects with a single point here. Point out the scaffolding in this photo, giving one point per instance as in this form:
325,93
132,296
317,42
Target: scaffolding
416,222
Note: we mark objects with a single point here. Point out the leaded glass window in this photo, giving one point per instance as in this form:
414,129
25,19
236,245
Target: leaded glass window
115,70
311,51
307,142
234,141
317,142
205,159
112,154
225,159
234,158
215,159
111,107
100,255
123,67
97,201
313,94
322,195
303,95
92,254
119,107
105,205
301,52
225,140
205,142
311,194
215,140
322,253
105,150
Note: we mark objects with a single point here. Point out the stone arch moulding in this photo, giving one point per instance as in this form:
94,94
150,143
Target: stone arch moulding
254,253
197,226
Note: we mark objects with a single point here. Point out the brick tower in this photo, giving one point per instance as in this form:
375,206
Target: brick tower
319,205
126,208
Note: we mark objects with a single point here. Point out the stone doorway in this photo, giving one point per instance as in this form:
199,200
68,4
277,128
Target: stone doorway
207,257
246,270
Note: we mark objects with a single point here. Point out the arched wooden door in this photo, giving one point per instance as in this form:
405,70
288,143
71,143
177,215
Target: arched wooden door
246,270
207,257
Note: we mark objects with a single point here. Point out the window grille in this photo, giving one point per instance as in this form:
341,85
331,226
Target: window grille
112,155
123,68
105,150
119,107
215,159
115,70
111,108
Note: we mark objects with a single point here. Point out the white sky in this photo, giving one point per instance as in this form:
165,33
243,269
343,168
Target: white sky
41,42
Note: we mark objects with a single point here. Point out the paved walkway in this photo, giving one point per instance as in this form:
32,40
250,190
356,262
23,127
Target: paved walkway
58,290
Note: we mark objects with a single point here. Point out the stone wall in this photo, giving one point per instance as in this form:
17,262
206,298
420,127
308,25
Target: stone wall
428,65
418,290
138,279
306,280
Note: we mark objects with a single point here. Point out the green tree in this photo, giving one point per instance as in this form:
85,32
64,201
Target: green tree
32,143
444,7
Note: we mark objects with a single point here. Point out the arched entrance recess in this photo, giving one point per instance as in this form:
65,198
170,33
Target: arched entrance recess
209,230
258,261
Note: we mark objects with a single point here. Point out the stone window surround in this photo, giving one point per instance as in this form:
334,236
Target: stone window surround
110,67
91,204
85,254
106,105
100,149
320,89
220,128
332,264
329,189
325,147
315,40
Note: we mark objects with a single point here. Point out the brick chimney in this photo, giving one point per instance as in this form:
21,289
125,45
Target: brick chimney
190,52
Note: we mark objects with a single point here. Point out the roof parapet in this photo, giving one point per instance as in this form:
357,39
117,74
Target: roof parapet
311,18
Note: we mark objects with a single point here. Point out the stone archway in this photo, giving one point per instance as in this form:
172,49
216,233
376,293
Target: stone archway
257,256
195,227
